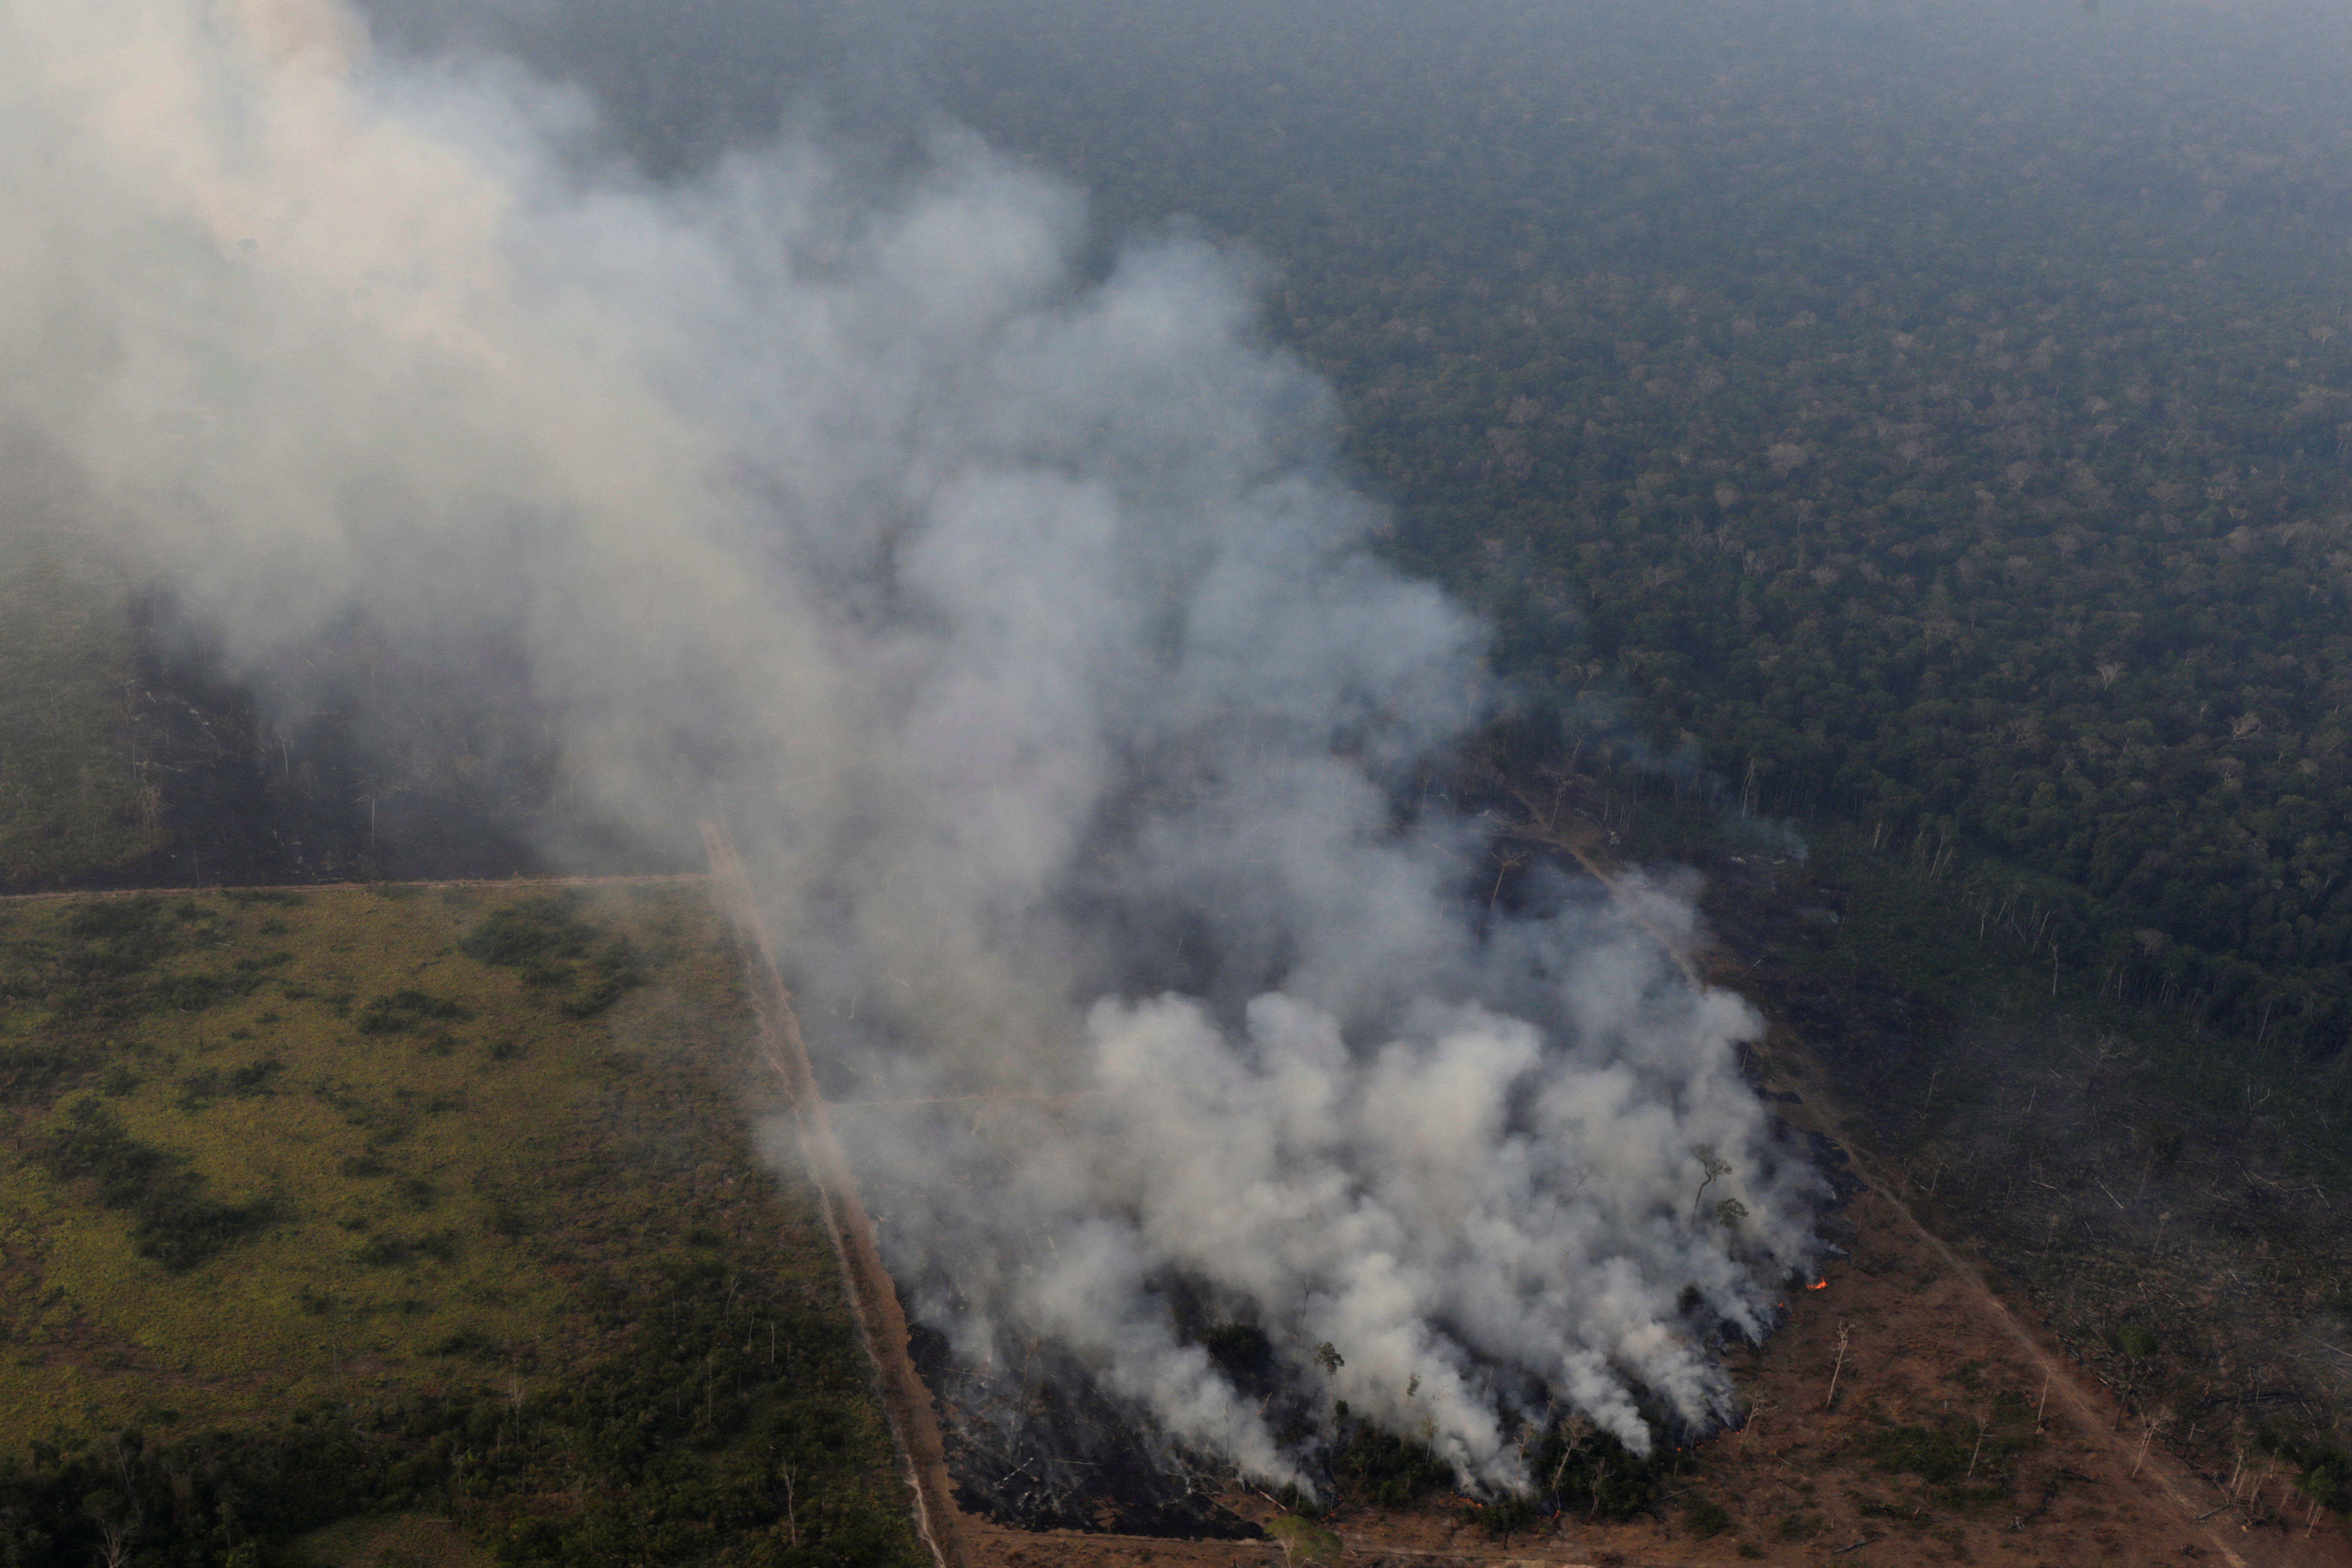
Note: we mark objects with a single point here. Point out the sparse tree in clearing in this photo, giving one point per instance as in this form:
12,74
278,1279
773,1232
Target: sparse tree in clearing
1845,1335
1759,1404
1559,779
1509,863
1713,1166
118,1525
1574,1433
2162,1419
1302,1540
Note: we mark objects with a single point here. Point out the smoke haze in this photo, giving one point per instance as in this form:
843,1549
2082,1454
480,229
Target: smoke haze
1017,621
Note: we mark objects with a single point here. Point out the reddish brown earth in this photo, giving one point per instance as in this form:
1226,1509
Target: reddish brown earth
1926,1338
873,1299
1929,1339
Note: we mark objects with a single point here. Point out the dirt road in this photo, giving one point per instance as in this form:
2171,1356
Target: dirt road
873,1297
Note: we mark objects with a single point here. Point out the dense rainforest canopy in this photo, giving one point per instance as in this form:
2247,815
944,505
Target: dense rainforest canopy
1916,421
1931,418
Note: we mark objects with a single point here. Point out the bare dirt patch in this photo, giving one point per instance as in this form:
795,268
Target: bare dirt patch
1961,1430
1931,1351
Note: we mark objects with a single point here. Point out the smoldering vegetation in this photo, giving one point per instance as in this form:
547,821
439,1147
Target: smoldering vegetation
1016,619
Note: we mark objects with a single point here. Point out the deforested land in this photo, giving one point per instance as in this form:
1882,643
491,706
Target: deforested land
345,1220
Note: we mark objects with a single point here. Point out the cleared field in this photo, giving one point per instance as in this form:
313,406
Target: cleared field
445,1192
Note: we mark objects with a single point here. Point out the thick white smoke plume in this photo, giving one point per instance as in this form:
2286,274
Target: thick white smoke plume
1014,620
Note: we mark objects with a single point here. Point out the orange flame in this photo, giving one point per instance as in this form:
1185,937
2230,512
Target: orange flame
1821,1285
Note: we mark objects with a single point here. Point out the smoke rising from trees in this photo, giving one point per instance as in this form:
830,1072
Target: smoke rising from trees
1017,624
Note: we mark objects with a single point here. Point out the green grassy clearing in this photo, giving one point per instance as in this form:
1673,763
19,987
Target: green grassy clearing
449,1191
401,1164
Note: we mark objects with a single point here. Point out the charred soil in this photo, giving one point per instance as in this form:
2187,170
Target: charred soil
2002,1394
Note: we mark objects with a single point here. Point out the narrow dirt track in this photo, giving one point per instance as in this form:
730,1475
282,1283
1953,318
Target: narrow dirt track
2171,1478
881,1322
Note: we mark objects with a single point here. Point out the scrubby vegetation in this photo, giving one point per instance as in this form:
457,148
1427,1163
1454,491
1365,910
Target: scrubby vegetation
1391,1471
175,1221
1967,1462
728,1430
281,1254
1578,1470
554,948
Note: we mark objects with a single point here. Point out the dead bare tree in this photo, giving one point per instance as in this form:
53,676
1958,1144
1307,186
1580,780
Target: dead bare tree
1845,1335
2161,1419
1559,779
1574,1433
1713,1165
1510,862
117,1518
